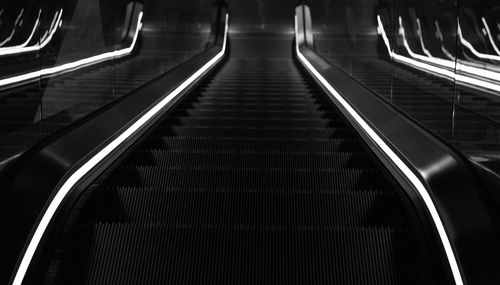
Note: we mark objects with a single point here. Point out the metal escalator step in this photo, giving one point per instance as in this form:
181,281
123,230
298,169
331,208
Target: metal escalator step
248,180
210,143
115,253
368,208
264,178
250,159
251,122
260,132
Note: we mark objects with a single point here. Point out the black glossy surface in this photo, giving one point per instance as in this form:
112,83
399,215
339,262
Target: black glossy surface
254,178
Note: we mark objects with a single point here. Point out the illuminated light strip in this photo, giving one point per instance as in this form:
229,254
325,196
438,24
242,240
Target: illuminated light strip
96,159
44,40
420,35
492,75
445,73
13,30
440,36
76,64
53,25
493,44
444,62
472,49
468,45
35,26
395,159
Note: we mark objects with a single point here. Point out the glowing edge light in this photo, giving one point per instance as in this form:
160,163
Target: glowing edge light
76,64
395,159
92,162
448,74
19,47
14,29
56,23
467,44
488,31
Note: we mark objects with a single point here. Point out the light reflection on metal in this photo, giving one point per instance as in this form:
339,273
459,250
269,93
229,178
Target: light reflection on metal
470,47
393,156
16,23
35,27
44,40
71,66
441,67
421,38
439,35
73,179
490,37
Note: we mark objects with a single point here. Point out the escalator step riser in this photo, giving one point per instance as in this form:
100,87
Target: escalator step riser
260,133
294,210
249,160
256,144
153,254
227,178
251,122
253,113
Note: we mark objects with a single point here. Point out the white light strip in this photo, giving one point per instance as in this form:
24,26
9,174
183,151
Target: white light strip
395,159
13,30
448,72
463,66
421,37
44,39
95,160
490,37
76,64
35,26
438,61
439,35
468,45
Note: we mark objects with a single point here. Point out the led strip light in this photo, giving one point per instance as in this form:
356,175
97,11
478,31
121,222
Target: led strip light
395,159
439,35
469,45
13,30
420,36
490,36
51,71
18,47
102,154
45,39
432,65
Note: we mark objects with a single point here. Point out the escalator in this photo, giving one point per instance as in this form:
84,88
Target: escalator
254,177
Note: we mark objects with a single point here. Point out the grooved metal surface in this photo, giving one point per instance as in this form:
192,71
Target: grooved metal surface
255,178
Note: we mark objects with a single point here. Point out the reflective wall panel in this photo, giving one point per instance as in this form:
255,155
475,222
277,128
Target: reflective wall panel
62,60
436,60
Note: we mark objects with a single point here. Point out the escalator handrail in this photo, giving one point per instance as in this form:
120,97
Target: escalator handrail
60,166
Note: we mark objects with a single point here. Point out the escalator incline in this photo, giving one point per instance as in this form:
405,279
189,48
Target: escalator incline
255,177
